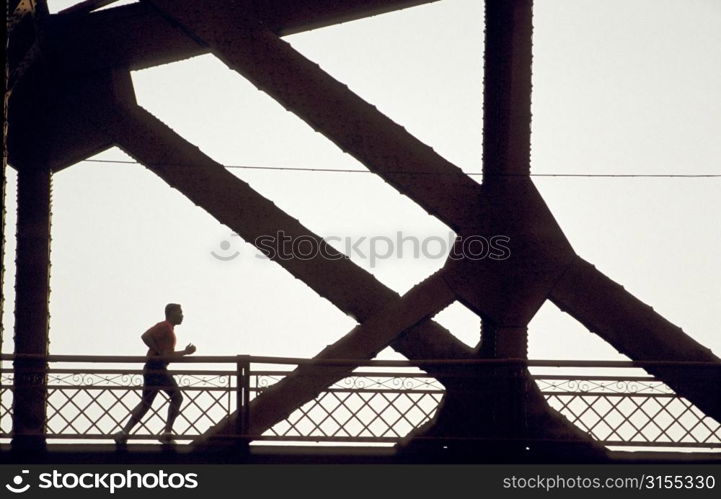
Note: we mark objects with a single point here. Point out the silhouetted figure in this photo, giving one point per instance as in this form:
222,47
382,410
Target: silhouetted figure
160,340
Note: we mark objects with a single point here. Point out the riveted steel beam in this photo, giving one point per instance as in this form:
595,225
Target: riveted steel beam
135,36
507,89
636,330
358,128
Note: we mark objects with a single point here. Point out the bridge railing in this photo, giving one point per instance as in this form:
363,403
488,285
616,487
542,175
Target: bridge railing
88,398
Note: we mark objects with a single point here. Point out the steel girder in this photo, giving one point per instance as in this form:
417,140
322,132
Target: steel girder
636,330
136,36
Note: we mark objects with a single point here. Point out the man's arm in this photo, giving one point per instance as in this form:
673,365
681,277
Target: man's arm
152,343
189,348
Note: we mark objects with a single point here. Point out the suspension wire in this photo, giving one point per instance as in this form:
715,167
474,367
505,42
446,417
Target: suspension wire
350,170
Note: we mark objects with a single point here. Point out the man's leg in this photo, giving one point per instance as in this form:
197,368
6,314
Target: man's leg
150,390
149,393
176,400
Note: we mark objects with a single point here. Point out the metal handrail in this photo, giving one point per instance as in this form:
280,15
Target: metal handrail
358,362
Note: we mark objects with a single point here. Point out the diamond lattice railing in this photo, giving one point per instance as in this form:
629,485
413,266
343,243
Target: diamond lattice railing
6,403
368,406
638,411
91,405
371,407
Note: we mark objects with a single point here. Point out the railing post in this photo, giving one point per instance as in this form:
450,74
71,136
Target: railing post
242,423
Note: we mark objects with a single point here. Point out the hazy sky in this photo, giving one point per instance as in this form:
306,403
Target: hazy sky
619,86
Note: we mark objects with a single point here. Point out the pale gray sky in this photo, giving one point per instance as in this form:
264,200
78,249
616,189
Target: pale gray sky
620,86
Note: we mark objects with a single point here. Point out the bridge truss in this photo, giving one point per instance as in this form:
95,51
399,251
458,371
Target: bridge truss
69,95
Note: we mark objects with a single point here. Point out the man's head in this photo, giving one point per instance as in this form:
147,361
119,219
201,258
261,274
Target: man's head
173,313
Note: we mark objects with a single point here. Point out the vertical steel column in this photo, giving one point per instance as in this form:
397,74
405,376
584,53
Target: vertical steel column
507,88
32,292
6,103
506,127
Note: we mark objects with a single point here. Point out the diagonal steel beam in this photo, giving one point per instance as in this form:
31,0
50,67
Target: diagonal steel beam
256,219
286,17
234,203
328,106
276,403
135,36
636,330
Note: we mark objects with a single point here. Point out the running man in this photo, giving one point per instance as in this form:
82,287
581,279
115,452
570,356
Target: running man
160,340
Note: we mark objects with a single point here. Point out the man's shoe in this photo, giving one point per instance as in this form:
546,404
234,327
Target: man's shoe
121,437
166,437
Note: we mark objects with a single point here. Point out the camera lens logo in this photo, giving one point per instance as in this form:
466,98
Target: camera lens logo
17,486
226,255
